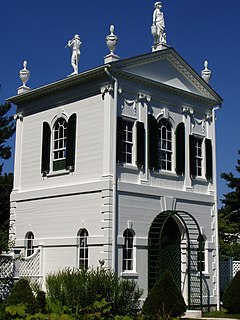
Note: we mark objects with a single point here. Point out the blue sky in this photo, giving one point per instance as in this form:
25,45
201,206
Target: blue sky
37,31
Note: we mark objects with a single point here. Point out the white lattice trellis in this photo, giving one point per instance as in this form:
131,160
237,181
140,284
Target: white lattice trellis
228,270
6,266
30,267
236,267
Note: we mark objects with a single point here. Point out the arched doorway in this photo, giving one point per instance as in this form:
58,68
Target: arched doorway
165,252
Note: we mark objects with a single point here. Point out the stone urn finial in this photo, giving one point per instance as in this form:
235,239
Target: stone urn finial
206,73
111,40
24,74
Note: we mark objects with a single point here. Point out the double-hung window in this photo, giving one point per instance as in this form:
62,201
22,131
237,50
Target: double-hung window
59,144
83,249
164,145
196,156
201,254
29,244
130,142
127,141
128,250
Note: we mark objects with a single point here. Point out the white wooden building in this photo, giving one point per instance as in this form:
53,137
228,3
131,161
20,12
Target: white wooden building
118,164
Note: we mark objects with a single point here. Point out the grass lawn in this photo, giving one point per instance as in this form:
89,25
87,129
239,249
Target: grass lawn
220,314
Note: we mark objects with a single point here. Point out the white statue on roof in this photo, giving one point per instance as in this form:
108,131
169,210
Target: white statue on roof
158,25
75,44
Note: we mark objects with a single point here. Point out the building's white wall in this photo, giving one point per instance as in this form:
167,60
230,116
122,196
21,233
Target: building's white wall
89,145
55,207
140,209
163,105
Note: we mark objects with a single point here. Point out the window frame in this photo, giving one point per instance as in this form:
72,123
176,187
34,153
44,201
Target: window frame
203,252
126,142
83,250
168,163
128,251
198,156
29,243
59,163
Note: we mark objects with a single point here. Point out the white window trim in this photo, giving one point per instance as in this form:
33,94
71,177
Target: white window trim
27,241
60,114
203,163
173,143
132,272
78,248
134,142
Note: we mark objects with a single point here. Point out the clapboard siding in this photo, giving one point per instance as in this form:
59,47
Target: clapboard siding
65,216
89,145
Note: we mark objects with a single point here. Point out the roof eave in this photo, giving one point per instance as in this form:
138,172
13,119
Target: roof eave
58,85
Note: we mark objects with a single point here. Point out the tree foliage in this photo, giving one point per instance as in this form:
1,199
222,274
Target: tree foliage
231,296
165,300
7,128
229,217
78,289
22,294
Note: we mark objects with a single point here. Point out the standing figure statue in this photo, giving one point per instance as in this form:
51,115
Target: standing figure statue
75,44
158,26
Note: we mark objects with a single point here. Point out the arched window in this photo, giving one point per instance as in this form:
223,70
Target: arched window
83,249
201,253
60,140
164,145
29,244
59,144
128,250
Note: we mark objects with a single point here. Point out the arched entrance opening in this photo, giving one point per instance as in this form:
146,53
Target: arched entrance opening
175,242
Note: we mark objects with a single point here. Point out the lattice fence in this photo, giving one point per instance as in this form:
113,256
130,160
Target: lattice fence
228,270
236,267
12,268
7,270
30,267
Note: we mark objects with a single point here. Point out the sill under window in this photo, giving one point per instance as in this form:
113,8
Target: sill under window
165,173
129,166
58,173
129,274
199,179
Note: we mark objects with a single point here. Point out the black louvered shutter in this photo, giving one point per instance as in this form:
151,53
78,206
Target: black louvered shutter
140,144
71,142
192,156
152,142
209,162
180,149
46,137
119,140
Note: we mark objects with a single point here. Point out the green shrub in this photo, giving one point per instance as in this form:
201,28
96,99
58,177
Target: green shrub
77,289
164,301
16,311
231,296
22,294
41,301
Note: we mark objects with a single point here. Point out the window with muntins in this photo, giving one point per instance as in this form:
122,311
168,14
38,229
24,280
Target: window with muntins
59,144
198,156
164,145
29,244
59,141
127,141
201,254
83,249
128,250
